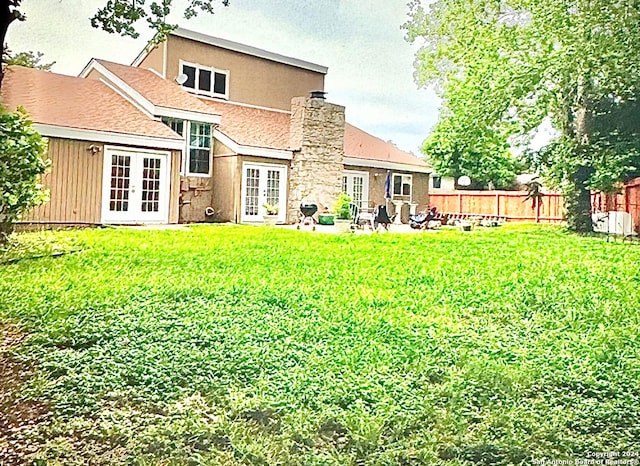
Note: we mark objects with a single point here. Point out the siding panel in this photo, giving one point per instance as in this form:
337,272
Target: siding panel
74,183
174,193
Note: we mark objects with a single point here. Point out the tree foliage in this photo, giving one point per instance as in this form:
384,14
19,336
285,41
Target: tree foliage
504,66
120,16
29,59
483,157
22,163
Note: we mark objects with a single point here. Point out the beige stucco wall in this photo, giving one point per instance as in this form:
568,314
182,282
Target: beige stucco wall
154,59
217,191
252,80
174,193
226,188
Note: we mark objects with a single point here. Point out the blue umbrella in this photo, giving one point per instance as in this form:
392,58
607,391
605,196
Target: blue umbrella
387,186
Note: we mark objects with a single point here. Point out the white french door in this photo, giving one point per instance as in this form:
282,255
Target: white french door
135,186
356,185
263,184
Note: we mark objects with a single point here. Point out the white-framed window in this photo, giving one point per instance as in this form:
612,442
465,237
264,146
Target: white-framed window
195,159
205,79
199,149
356,185
178,127
402,185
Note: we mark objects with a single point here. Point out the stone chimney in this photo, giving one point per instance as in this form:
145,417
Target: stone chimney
316,136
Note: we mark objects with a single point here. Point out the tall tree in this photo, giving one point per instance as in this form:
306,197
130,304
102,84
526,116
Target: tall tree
507,65
118,16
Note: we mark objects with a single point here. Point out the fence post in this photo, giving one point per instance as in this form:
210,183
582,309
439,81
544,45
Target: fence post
537,199
626,198
497,204
460,203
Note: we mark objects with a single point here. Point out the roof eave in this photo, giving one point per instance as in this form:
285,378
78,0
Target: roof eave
240,149
249,50
109,137
385,164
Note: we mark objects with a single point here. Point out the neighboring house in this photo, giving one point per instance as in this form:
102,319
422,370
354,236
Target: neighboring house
439,183
244,128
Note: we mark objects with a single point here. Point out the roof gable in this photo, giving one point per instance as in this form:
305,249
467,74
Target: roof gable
71,102
362,145
154,94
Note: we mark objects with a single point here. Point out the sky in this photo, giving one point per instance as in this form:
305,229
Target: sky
362,43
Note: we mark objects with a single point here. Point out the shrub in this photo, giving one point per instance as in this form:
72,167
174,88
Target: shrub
22,163
342,207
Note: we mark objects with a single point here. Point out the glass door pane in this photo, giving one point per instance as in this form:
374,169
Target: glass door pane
273,187
150,201
120,183
357,191
252,192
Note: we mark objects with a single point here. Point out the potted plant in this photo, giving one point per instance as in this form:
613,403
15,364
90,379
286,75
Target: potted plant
342,209
271,214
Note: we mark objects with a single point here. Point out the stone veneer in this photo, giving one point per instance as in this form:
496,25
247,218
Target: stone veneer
317,139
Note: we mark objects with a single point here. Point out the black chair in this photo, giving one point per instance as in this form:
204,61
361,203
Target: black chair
381,217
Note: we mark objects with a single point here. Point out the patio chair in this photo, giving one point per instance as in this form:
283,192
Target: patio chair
381,217
361,217
355,213
421,220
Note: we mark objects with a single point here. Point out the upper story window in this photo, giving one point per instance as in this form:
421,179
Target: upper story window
205,80
402,184
436,181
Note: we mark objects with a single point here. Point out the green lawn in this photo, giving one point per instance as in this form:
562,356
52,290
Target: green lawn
251,345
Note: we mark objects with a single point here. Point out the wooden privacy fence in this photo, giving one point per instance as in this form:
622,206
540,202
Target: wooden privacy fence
626,201
514,205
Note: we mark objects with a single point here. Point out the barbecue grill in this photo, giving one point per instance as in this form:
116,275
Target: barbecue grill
307,211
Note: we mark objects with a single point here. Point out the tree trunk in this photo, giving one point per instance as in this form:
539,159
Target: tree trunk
578,201
7,16
6,228
578,195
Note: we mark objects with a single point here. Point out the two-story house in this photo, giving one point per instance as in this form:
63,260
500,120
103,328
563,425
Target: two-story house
227,128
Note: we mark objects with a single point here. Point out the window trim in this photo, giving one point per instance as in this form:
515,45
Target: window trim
187,158
185,143
393,184
196,89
